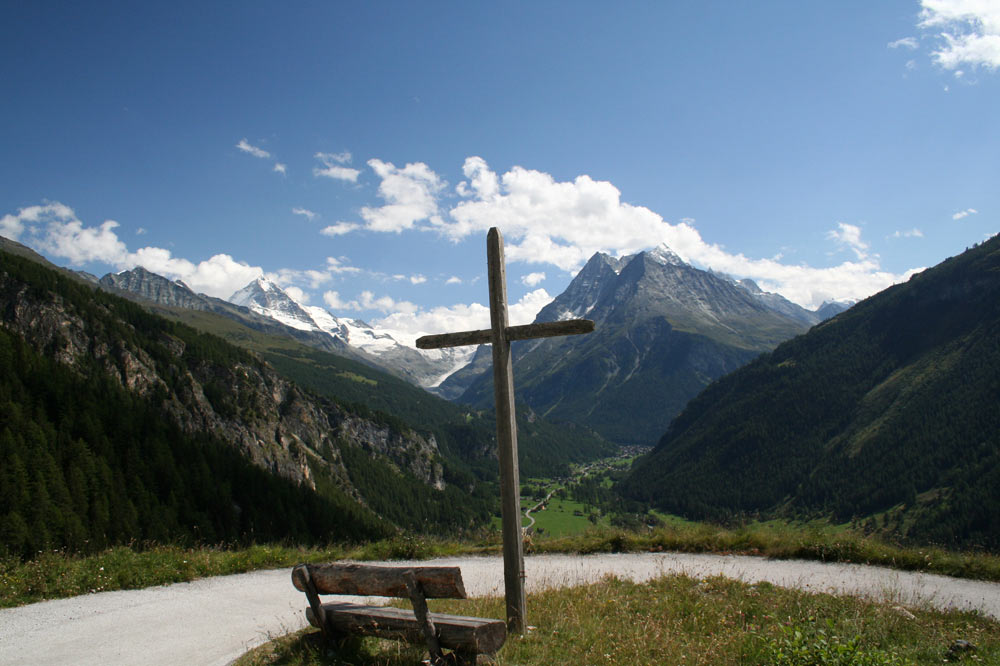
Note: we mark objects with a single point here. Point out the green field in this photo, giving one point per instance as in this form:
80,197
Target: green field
563,517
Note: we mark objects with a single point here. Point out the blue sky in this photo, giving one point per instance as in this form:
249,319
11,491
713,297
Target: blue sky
358,152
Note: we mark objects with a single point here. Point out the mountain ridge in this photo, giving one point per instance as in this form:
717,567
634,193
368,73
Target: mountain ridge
664,330
184,393
354,378
888,409
380,347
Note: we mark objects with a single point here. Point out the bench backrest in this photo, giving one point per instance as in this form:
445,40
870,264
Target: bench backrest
378,581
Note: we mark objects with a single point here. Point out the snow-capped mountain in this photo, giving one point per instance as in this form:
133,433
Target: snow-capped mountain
391,349
150,287
268,299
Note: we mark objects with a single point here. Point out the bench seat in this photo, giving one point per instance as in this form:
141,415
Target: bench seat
456,632
467,637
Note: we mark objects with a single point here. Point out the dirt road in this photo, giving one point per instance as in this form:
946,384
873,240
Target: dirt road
213,621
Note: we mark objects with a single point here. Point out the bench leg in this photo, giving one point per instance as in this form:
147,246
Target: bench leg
463,658
419,602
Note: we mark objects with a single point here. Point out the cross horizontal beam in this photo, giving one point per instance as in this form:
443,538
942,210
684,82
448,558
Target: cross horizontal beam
528,331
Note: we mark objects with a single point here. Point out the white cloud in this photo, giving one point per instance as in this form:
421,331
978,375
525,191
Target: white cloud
563,224
417,279
337,266
334,167
906,42
297,294
219,275
343,157
912,233
335,302
969,31
81,245
54,229
964,213
339,228
368,301
533,279
410,193
245,146
484,182
525,310
281,168
549,222
454,279
285,277
407,327
12,226
141,231
849,235
304,212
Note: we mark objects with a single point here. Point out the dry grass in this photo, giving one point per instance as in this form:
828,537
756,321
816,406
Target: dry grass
683,620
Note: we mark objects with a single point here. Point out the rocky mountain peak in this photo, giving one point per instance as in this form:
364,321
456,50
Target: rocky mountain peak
260,291
385,348
585,290
832,308
266,298
153,287
662,254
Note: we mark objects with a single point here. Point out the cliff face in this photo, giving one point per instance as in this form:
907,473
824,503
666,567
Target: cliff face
242,400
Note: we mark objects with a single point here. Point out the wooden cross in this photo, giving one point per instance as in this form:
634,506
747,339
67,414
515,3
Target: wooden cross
500,335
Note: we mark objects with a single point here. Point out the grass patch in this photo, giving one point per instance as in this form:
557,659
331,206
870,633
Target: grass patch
57,574
354,377
684,620
563,517
812,541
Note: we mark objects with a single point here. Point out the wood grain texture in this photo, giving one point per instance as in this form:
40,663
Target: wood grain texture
455,632
503,392
370,580
549,329
424,621
460,339
546,329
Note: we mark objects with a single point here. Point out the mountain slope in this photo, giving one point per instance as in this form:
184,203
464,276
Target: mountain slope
664,330
148,403
165,296
892,404
465,437
384,349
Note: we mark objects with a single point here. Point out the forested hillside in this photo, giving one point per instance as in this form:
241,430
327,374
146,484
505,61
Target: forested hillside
84,464
889,410
466,437
118,426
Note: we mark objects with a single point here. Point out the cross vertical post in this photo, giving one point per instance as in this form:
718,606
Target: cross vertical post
503,393
500,335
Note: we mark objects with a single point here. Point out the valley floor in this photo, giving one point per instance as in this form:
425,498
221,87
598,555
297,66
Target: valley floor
214,620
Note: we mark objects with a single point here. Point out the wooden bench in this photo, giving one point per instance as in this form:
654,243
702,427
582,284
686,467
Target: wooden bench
467,637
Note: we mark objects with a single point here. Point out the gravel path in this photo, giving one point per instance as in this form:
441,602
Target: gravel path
215,620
